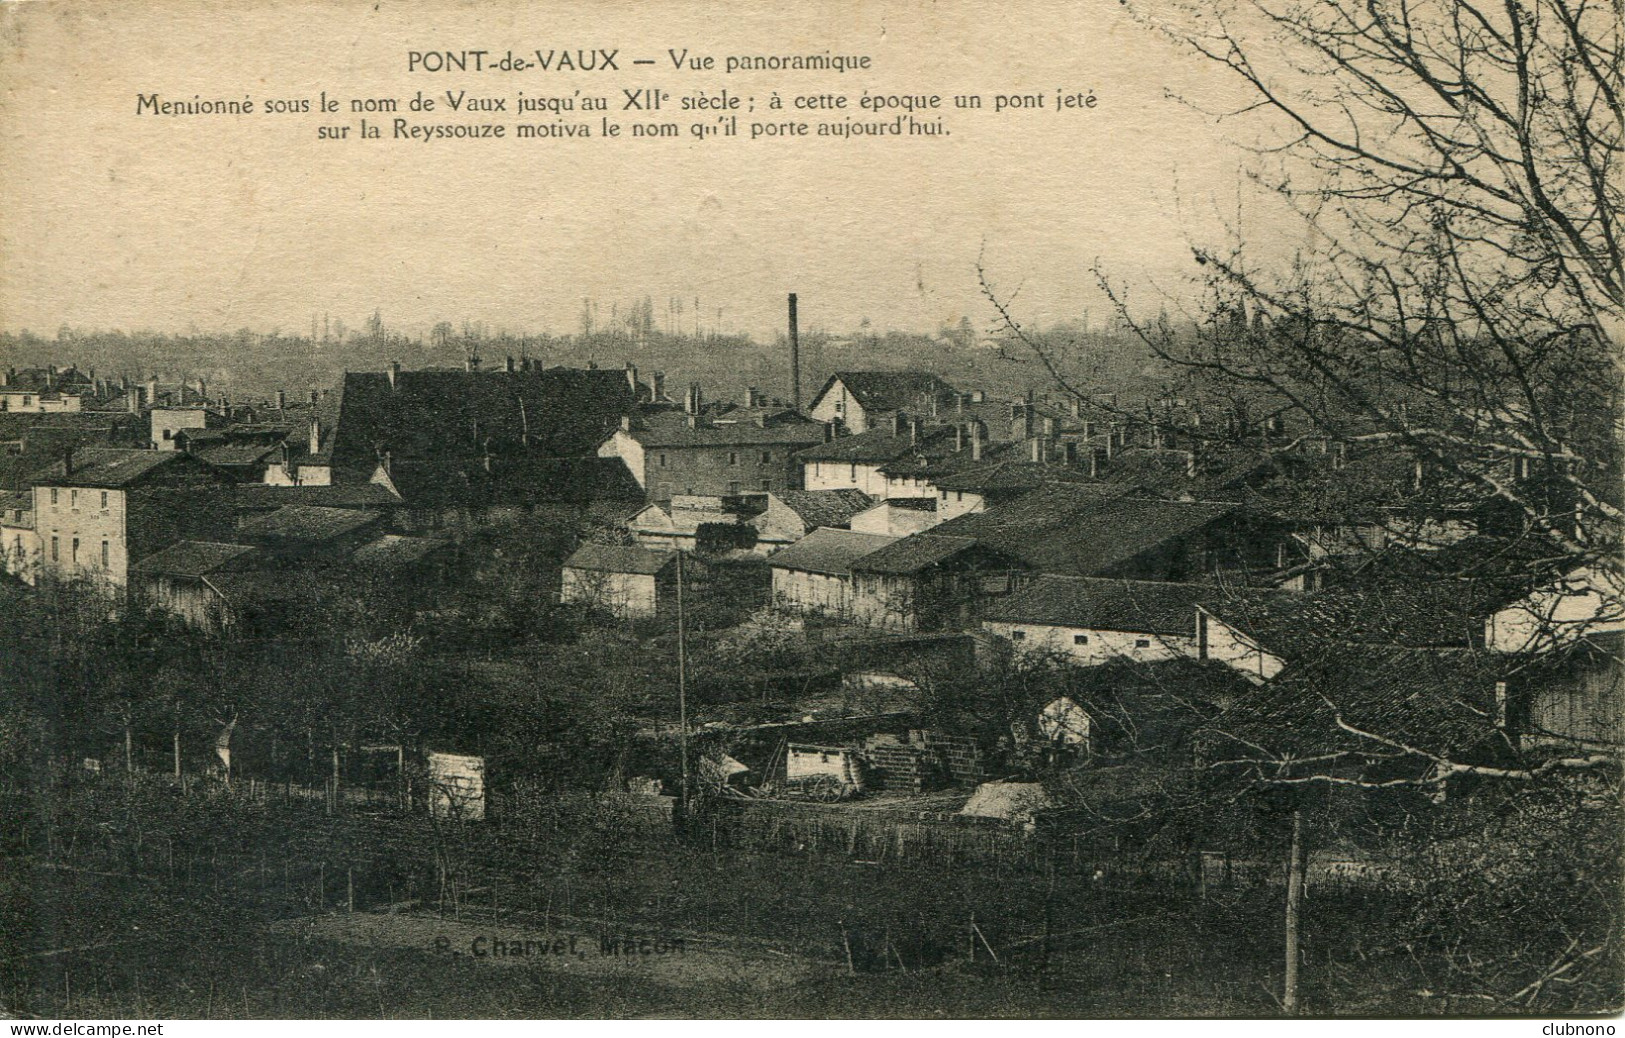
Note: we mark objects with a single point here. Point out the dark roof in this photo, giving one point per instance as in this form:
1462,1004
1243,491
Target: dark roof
828,551
877,446
618,558
393,550
908,504
234,455
888,390
1440,702
1146,606
521,480
1081,529
257,498
672,430
825,507
192,558
107,467
440,415
1418,612
307,523
1011,476
915,553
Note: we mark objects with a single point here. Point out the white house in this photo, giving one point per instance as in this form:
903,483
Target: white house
1583,602
627,582
814,575
1090,620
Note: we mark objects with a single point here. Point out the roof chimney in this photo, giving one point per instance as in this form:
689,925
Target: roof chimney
795,357
132,399
897,423
315,435
976,441
507,364
394,373
67,460
282,399
829,432
959,438
914,430
693,399
1036,450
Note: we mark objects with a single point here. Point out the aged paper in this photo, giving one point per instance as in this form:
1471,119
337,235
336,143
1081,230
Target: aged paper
887,509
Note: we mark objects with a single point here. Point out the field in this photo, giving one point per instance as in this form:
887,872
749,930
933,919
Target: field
116,904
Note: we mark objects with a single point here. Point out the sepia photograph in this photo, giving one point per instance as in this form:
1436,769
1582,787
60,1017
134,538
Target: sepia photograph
1104,510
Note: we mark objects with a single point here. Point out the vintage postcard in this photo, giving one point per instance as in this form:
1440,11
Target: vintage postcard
1080,510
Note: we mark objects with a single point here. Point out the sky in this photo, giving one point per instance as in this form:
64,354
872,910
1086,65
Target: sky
114,219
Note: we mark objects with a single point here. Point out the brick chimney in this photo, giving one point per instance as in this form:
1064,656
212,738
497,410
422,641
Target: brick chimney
693,400
657,385
132,399
795,357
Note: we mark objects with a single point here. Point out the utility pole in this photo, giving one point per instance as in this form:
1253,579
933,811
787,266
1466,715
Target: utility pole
682,689
1294,902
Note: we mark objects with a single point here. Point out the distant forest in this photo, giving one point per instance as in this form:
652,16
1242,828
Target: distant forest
249,365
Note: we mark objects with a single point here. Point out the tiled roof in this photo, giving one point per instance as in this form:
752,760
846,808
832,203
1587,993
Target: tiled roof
393,550
878,445
440,415
672,430
107,467
257,498
825,507
1438,701
518,480
192,558
1145,606
307,523
915,553
1011,475
617,558
1081,529
888,390
829,551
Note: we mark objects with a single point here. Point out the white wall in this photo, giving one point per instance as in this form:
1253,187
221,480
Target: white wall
952,503
795,590
79,512
1235,649
1584,602
1098,646
621,594
843,475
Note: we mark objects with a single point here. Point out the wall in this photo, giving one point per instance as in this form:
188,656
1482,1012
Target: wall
1219,641
954,503
798,591
895,522
32,403
844,475
838,405
1100,646
166,422
708,471
1584,602
625,446
621,594
80,513
193,601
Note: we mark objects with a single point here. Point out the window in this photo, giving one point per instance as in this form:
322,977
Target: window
73,499
1080,639
853,475
1018,636
767,484
959,495
27,400
104,499
767,457
56,549
733,489
733,457
168,434
53,495
662,461
74,552
104,555
1142,643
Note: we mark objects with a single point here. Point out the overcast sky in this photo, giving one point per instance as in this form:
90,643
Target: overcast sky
114,219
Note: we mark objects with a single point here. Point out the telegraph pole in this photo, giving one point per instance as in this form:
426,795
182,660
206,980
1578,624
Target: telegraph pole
682,689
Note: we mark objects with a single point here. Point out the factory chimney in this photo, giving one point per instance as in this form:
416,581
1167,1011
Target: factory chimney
795,357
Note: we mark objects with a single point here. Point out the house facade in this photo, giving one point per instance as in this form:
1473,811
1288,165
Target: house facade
626,582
